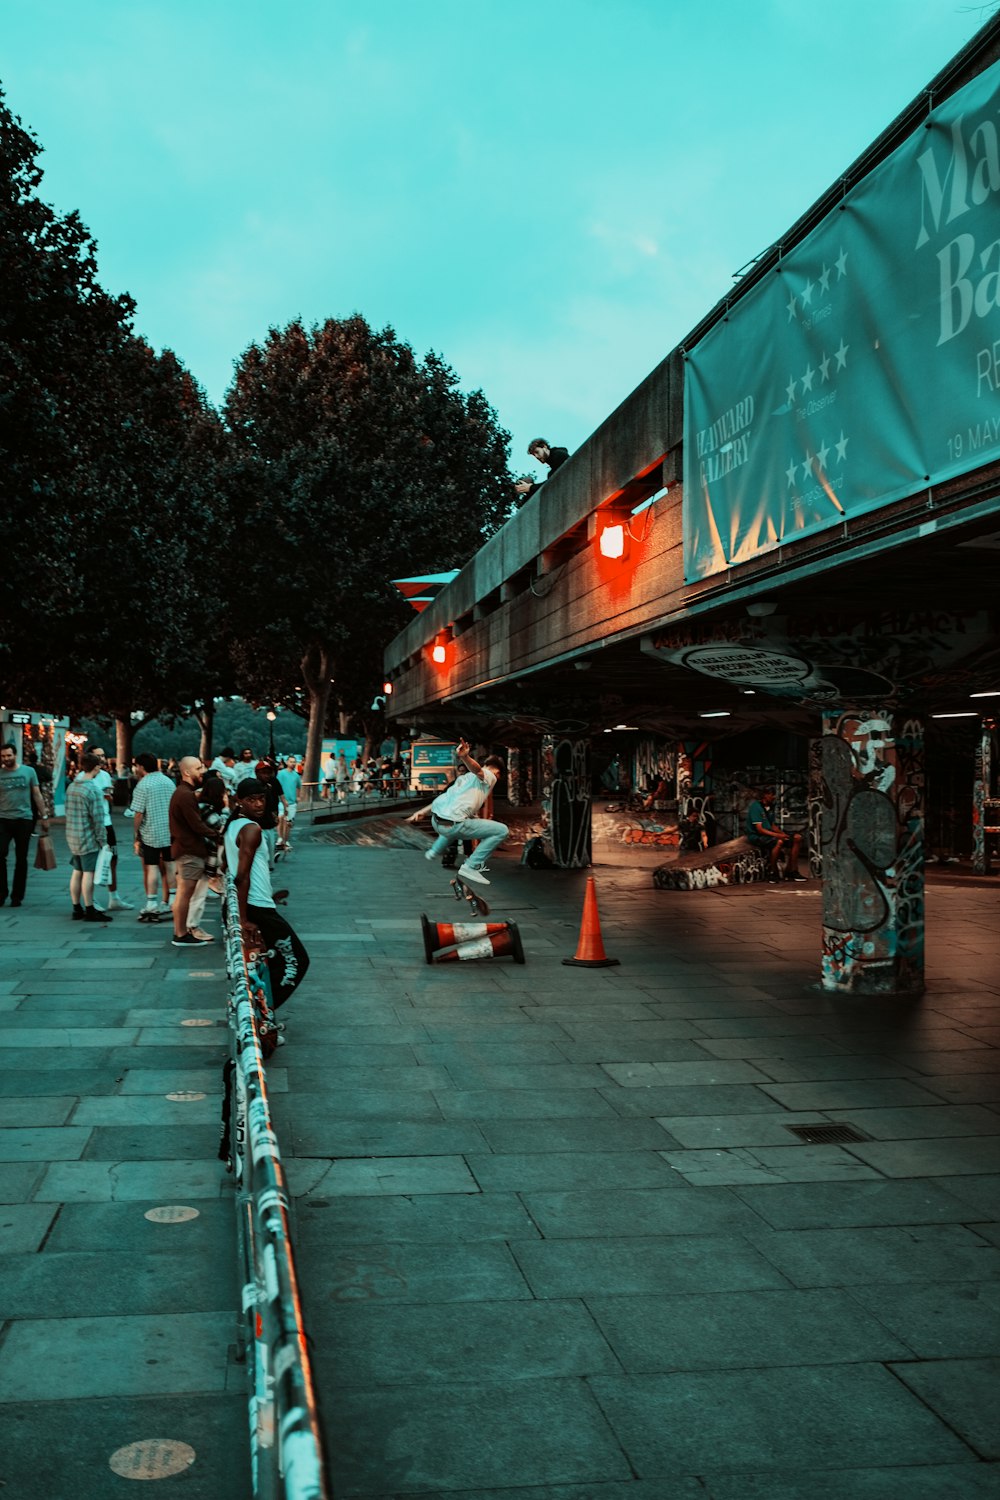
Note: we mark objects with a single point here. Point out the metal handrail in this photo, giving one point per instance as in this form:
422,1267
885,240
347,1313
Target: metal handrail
286,1446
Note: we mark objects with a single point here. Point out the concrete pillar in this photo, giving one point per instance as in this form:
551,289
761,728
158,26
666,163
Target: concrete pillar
566,800
872,842
980,796
814,804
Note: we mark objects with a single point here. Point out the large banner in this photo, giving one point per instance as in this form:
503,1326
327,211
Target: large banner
866,364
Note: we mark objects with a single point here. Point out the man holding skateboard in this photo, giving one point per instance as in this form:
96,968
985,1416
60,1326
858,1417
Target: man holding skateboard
454,814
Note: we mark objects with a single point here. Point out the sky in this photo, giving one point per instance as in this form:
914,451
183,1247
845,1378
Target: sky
548,194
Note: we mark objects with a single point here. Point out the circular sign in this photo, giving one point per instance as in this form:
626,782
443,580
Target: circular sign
171,1213
185,1096
198,1022
735,663
153,1458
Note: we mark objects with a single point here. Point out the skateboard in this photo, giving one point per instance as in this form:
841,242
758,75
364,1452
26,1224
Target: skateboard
464,891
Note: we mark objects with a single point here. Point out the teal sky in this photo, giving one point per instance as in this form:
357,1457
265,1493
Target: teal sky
549,194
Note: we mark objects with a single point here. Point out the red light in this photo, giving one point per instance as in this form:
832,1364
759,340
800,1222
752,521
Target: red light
438,654
387,687
612,541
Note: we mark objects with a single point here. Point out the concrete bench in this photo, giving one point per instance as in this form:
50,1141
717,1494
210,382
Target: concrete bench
736,862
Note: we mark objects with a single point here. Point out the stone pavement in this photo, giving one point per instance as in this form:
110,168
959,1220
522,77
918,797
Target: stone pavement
554,1235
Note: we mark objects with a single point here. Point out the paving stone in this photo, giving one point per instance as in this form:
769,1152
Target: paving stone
431,1219
131,1181
390,1440
18,1180
681,1488
963,1393
43,1144
34,1465
65,1359
761,1164
150,1143
409,1273
883,1093
523,1104
335,1082
20,1113
968,1481
741,1330
209,1239
976,1060
521,1137
965,1088
404,1344
60,1059
174,1037
827,1416
638,1211
601,1267
471,1052
569,1170
765,1047
386,1176
382,1138
700,1131
208,1080
958,1319
718,1099
848,1257
631,1051
563,1075
150,1109
115,1284
981,1195
23,1227
841,1205
935,1121
828,1069
931,1158
641,1075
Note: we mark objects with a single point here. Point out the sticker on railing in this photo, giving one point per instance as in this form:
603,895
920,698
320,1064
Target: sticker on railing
153,1458
171,1213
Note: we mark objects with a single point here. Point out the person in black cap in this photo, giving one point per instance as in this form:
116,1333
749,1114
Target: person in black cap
262,924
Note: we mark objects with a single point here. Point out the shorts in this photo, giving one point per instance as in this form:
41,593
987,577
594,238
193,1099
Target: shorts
290,814
152,856
190,867
85,863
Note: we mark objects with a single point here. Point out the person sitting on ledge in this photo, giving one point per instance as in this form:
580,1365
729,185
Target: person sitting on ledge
765,835
552,458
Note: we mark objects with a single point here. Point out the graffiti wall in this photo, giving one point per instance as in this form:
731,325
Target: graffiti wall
565,778
872,844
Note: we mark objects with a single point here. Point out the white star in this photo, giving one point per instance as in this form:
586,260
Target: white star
807,294
842,446
790,473
822,456
790,390
807,379
790,304
841,263
824,279
824,367
807,466
841,355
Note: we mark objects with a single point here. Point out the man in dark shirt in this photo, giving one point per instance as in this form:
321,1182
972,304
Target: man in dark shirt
772,841
190,836
552,458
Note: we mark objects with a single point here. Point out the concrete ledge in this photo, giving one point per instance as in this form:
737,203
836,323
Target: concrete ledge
736,862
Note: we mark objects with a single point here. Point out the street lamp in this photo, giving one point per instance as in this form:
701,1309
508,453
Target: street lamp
271,716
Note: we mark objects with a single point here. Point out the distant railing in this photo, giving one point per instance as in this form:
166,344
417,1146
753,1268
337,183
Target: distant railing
286,1446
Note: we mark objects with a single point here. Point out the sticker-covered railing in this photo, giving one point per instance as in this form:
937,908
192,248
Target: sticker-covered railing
286,1448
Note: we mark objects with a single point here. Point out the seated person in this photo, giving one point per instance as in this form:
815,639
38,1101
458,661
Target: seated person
765,835
693,834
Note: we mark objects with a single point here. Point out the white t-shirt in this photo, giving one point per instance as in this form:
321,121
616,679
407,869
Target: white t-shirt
465,797
103,780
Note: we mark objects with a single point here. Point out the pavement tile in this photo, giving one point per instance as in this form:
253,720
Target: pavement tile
81,1358
882,1093
932,1158
208,1239
34,1465
934,1121
766,1047
477,1272
431,1219
592,1268
963,1393
386,1176
842,1205
306,1077
631,1051
132,1181
826,1416
60,1059
149,1143
522,1137
569,1170
19,1113
23,1227
680,1489
741,1330
760,1164
721,1130
115,1283
18,1180
981,1195
632,1212
850,1257
708,1099
642,1075
523,1104
964,1088
474,1342
829,1069
939,1320
151,1109
980,1060
968,1481
310,1136
471,1051
66,1143
207,1080
401,1442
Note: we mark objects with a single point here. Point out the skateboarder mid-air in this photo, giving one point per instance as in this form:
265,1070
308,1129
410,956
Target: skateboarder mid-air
454,817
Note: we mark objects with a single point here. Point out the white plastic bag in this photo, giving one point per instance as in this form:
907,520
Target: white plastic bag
102,870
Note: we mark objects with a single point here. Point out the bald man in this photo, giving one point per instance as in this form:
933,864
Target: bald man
189,839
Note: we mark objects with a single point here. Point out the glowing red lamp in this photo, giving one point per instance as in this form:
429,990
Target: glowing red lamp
612,541
439,654
387,688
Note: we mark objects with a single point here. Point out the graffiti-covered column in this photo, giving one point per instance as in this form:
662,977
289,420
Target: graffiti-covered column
814,806
694,783
566,800
872,841
515,794
980,796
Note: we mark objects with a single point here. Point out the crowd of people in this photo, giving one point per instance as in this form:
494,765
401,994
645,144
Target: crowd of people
383,776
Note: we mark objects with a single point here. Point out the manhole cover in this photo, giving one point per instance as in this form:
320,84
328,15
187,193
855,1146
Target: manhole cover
826,1135
171,1213
197,1022
186,1096
153,1458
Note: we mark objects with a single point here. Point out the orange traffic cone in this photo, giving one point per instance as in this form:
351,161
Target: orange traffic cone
503,944
590,952
439,935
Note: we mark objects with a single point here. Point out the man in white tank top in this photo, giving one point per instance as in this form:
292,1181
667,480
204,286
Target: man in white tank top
263,925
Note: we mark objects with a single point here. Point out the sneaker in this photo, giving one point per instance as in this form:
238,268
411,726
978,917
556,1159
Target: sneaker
115,903
187,941
92,914
470,872
165,909
429,853
78,914
201,935
795,875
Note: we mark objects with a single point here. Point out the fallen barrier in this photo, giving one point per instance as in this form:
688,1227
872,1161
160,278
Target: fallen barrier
286,1447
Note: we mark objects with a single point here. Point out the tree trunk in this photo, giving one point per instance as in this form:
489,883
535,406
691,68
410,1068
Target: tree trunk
204,712
316,671
124,735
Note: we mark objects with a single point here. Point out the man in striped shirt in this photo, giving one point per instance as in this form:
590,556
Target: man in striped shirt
151,833
86,836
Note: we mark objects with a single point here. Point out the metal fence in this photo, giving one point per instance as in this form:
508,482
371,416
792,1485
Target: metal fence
286,1447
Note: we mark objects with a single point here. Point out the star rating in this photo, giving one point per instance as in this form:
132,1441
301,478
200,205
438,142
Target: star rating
821,458
790,473
807,466
841,447
824,279
807,294
807,378
841,355
841,263
790,390
790,304
824,367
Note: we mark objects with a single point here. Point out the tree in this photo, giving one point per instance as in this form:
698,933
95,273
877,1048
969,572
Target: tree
355,463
